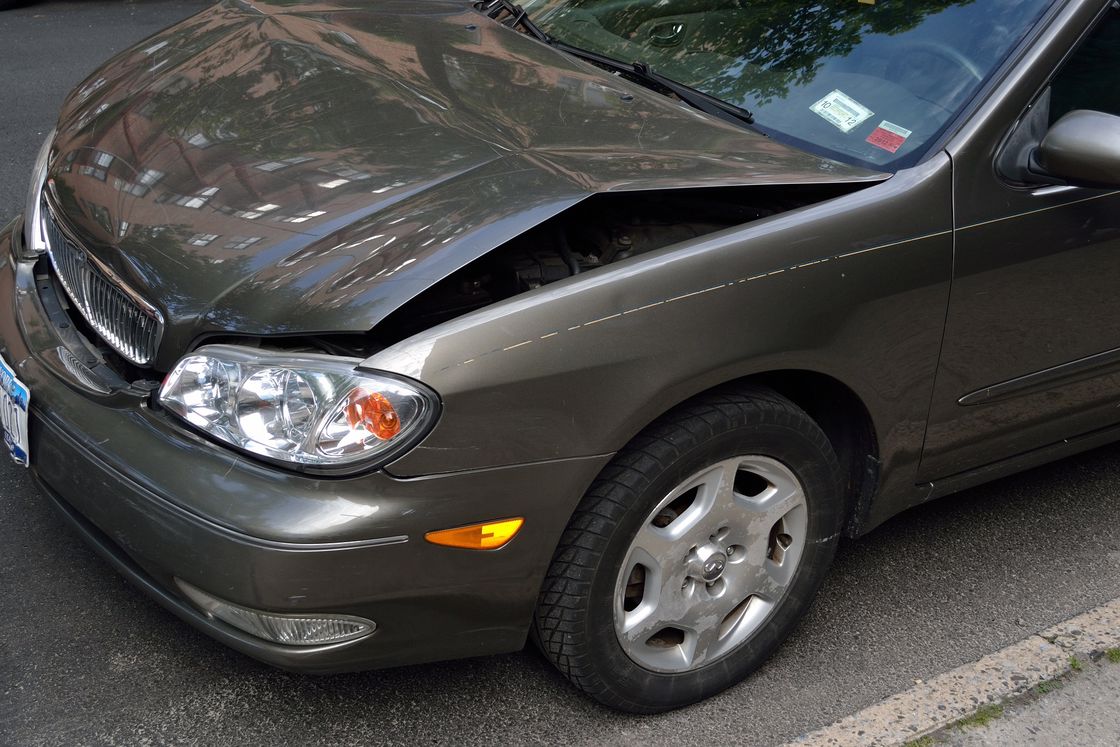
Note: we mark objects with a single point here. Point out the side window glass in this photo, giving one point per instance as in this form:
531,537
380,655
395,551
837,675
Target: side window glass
1091,78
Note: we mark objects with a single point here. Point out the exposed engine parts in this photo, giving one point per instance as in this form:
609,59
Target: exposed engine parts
601,230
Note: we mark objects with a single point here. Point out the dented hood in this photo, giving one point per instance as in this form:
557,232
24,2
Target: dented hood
285,168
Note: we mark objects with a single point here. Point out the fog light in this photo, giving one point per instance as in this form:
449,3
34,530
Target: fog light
286,629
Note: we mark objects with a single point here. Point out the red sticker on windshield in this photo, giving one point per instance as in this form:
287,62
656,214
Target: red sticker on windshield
889,136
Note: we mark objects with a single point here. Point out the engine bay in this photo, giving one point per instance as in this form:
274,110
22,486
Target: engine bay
603,229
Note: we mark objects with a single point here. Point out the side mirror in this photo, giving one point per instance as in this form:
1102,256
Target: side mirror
1081,149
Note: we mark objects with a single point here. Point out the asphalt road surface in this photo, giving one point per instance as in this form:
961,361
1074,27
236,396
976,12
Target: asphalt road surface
86,659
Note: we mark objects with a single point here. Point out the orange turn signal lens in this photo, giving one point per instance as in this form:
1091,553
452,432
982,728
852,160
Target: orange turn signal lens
373,412
489,535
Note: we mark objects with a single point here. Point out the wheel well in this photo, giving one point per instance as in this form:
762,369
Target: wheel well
844,418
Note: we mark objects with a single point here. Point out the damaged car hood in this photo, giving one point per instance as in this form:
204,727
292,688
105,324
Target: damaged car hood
286,168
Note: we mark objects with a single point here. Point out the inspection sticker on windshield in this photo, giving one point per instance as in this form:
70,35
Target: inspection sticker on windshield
14,399
889,136
842,110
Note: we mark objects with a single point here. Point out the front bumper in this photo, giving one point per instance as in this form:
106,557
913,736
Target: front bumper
162,503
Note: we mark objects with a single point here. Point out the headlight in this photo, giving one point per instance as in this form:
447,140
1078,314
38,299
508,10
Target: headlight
34,241
317,411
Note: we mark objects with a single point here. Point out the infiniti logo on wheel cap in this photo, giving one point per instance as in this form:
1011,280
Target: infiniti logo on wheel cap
713,567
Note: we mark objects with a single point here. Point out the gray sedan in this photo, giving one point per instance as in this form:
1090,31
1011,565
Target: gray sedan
362,335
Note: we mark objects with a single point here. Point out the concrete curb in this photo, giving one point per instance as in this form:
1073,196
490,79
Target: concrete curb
949,697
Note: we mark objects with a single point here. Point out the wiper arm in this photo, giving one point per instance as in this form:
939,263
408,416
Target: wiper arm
514,16
693,97
641,72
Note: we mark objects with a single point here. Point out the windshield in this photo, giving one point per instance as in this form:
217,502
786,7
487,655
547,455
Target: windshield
871,82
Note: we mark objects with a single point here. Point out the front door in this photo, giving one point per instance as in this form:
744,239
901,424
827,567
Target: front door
1031,353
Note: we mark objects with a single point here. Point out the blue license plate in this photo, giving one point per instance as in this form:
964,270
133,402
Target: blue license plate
14,400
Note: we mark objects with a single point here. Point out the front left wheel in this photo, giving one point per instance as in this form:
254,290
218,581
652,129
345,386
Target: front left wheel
694,554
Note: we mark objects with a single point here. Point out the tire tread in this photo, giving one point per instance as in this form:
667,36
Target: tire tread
561,610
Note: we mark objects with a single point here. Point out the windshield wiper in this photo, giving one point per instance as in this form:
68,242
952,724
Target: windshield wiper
695,98
510,14
514,16
642,73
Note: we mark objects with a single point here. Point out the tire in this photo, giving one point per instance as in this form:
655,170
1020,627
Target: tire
747,568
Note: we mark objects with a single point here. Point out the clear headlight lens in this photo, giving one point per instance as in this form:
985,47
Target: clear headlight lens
34,241
313,410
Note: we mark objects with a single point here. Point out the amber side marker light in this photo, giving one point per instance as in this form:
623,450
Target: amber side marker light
489,535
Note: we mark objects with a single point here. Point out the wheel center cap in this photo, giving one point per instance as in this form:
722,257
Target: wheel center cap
707,562
713,566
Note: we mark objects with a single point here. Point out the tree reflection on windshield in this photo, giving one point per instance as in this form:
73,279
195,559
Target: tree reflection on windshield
915,61
795,37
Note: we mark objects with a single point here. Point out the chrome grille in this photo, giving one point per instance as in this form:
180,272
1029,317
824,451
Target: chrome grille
131,325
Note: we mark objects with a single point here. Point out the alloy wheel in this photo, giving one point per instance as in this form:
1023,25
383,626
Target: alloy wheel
711,562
